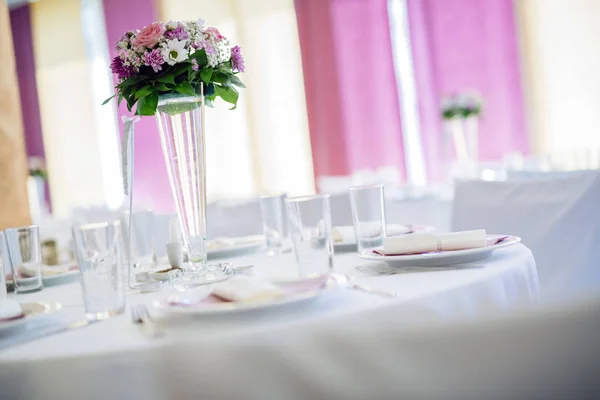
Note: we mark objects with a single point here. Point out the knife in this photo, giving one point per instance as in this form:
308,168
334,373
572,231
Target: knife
42,332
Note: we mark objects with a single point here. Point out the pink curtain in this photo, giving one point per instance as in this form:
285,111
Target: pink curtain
468,44
352,102
151,182
20,21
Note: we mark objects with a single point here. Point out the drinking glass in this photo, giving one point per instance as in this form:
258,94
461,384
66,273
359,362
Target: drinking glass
97,247
4,264
142,237
310,229
275,223
25,258
368,216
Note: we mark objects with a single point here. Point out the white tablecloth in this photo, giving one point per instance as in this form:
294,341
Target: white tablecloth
73,364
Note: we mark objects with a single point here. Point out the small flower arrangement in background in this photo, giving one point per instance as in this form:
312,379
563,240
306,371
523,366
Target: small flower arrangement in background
176,57
462,105
37,168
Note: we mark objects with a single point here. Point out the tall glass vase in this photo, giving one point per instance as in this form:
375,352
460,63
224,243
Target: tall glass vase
461,143
180,121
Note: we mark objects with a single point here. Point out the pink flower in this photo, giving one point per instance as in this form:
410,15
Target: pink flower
237,61
154,59
123,72
149,35
177,33
215,32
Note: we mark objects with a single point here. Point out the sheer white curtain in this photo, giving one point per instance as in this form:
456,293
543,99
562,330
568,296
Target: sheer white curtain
561,60
80,138
264,145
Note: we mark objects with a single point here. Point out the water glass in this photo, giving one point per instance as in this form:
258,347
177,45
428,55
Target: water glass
142,237
310,229
98,247
368,216
275,223
25,256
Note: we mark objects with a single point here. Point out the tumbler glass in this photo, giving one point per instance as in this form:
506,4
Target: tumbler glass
368,216
310,229
25,258
275,223
98,248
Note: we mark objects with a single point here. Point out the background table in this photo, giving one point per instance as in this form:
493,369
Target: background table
117,351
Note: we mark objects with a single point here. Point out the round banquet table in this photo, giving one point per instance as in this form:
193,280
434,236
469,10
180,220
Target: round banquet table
115,358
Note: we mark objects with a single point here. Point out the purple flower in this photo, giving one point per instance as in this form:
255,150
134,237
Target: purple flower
122,71
204,44
237,61
153,59
195,65
177,33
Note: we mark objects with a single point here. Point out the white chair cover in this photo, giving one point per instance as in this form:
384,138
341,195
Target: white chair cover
233,218
558,220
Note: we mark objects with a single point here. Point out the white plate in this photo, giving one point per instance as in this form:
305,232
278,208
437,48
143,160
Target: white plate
350,245
442,258
30,311
199,302
51,280
234,251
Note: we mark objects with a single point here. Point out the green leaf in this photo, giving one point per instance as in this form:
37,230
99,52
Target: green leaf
163,87
236,81
166,78
109,99
230,95
144,91
131,81
147,105
181,68
222,78
206,74
130,101
209,90
200,57
119,99
185,88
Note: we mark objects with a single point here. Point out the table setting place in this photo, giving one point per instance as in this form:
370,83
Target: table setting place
292,264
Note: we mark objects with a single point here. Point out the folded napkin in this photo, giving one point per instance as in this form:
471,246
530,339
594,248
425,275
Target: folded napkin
9,310
243,288
428,242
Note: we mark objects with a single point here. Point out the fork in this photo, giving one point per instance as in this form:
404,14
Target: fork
343,281
141,316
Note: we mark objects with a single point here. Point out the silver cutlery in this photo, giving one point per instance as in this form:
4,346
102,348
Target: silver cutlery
384,271
141,316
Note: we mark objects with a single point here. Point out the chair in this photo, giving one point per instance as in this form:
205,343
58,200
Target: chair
557,219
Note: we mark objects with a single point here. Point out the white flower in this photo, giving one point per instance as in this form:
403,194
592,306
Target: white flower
174,51
171,25
200,24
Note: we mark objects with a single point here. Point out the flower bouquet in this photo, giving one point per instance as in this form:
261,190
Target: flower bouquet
172,71
460,113
179,57
462,105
